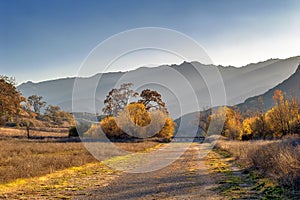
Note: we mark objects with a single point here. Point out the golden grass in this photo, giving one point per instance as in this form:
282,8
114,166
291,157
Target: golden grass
36,132
61,184
24,158
278,159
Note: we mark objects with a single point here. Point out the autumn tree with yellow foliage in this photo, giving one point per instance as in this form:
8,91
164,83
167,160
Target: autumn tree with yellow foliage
282,119
145,118
10,100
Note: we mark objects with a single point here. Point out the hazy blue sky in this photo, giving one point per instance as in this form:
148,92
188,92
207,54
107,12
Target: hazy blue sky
42,39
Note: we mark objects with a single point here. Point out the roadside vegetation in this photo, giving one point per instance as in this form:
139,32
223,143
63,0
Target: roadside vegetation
265,144
279,160
256,123
48,152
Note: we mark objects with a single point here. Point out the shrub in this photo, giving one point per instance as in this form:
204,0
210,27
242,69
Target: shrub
277,159
95,132
281,161
110,128
73,132
168,130
79,130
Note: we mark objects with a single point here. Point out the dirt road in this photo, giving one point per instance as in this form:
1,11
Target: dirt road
186,178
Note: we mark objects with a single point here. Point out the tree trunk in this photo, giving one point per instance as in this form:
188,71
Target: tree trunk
28,134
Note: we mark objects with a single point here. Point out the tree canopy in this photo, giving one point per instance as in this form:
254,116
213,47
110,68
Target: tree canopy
10,99
36,103
143,118
152,100
282,119
117,99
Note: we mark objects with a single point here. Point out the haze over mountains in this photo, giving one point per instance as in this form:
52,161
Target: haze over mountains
240,84
290,86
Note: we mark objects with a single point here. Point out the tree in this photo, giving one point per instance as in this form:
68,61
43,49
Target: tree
27,122
53,114
36,103
233,124
152,100
168,128
10,99
56,116
248,130
136,122
283,117
260,123
204,119
133,118
111,129
117,99
256,122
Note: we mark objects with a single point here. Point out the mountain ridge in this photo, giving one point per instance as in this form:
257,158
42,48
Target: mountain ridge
288,86
239,83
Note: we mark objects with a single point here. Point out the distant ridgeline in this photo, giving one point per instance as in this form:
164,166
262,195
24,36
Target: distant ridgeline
290,86
240,84
273,114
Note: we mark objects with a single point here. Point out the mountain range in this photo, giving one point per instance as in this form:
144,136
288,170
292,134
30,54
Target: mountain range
290,87
239,83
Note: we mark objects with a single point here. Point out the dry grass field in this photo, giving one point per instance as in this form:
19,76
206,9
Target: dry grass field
46,152
278,159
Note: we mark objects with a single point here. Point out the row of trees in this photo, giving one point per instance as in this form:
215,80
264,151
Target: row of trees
280,120
128,114
31,111
133,115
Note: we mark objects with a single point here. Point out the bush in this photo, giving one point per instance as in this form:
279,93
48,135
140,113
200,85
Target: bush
79,129
73,132
277,159
95,132
167,130
281,161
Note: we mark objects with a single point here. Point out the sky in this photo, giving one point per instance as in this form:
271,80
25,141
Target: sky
43,40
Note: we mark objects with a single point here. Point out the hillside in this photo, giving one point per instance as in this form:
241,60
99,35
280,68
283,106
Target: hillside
290,86
240,84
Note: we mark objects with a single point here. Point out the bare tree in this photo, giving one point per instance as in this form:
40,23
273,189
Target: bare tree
117,99
203,120
37,103
152,100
